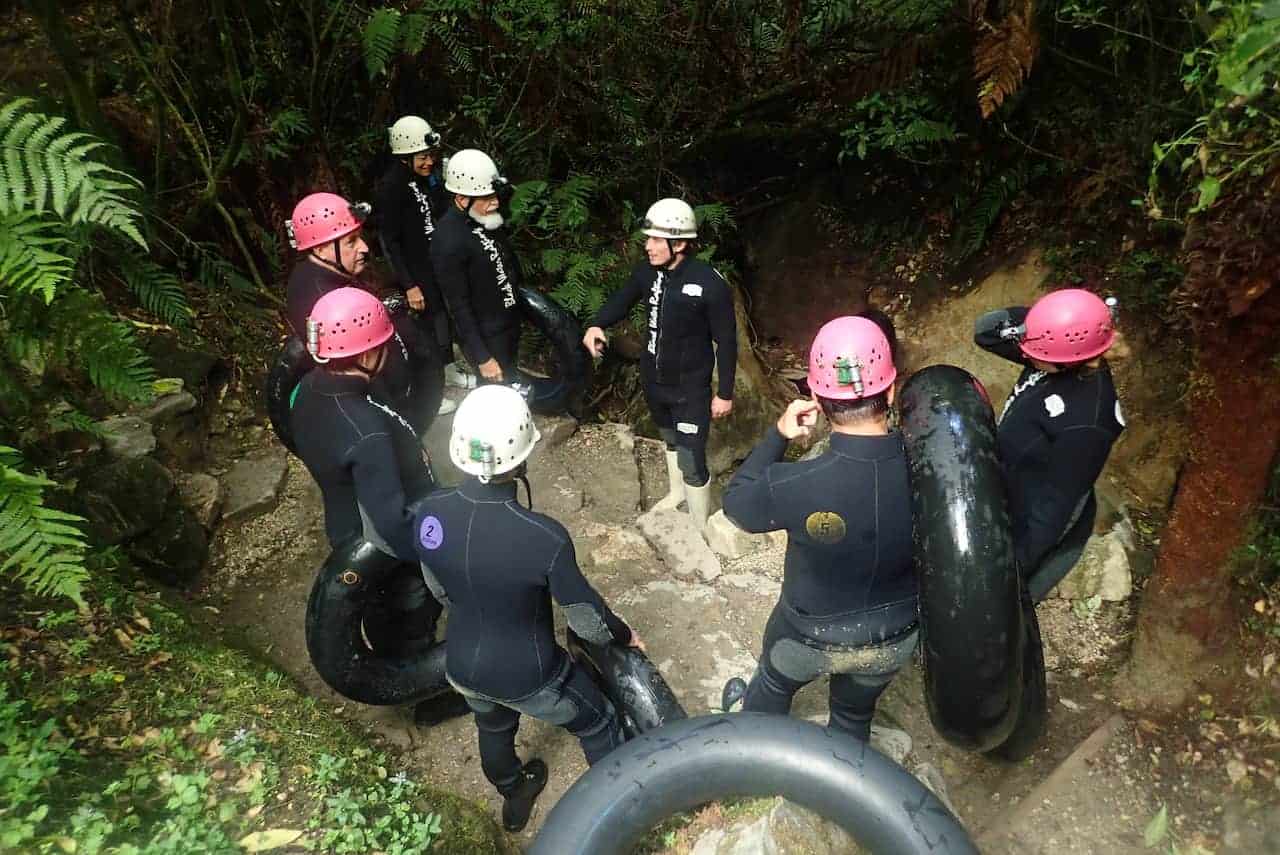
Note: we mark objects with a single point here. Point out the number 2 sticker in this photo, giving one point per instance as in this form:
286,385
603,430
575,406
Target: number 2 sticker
431,533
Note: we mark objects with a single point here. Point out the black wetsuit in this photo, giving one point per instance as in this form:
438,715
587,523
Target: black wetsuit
369,465
689,308
849,595
1055,434
497,567
412,377
407,208
480,276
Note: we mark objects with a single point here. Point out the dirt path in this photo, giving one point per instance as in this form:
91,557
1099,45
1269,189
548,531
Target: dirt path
699,634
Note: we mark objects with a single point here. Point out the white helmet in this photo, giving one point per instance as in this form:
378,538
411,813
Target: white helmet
493,432
412,134
672,219
471,172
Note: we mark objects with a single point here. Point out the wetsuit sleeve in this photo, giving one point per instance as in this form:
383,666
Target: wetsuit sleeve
449,261
584,608
391,229
619,305
1078,456
724,332
380,495
748,500
986,333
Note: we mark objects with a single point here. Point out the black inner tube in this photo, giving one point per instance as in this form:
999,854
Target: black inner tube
971,615
691,762
565,390
340,599
287,370
634,684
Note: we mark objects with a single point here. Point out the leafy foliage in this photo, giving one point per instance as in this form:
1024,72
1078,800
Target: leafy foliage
43,168
31,257
41,547
1003,55
905,124
389,31
980,215
157,289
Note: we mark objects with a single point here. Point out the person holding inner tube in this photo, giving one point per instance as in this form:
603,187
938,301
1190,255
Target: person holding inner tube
410,199
1057,426
476,267
497,566
329,230
849,595
690,310
365,457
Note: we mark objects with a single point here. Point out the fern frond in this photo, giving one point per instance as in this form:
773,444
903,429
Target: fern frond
81,328
459,53
527,204
974,225
381,36
413,33
1003,56
572,201
158,290
42,168
31,259
716,217
40,546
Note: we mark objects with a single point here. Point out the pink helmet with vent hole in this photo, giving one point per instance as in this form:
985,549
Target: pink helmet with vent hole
320,218
850,359
1070,325
347,322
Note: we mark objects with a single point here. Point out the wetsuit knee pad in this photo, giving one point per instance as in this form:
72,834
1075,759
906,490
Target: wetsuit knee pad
693,464
797,661
669,437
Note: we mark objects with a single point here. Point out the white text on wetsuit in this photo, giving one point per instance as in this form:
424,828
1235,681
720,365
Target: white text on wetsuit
491,247
655,301
428,225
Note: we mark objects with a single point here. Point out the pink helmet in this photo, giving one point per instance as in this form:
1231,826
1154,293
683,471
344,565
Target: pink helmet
1070,325
322,217
347,322
850,359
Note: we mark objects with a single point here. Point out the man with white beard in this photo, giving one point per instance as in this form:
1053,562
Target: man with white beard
476,267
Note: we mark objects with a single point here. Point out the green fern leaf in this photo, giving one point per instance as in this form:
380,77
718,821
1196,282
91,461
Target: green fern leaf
413,33
381,35
30,256
45,169
41,547
157,289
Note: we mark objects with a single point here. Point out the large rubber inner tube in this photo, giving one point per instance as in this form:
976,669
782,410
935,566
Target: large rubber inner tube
287,371
1033,709
566,389
688,763
338,602
637,688
970,606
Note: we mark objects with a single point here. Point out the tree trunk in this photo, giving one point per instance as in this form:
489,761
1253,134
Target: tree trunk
84,101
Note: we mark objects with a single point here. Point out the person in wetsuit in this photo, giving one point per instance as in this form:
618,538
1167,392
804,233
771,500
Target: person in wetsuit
476,267
1057,426
690,309
497,566
365,457
329,230
849,594
410,199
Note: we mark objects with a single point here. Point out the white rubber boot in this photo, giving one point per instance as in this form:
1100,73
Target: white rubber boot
699,504
673,498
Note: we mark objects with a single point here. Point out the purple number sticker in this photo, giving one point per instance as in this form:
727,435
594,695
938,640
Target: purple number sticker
431,533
